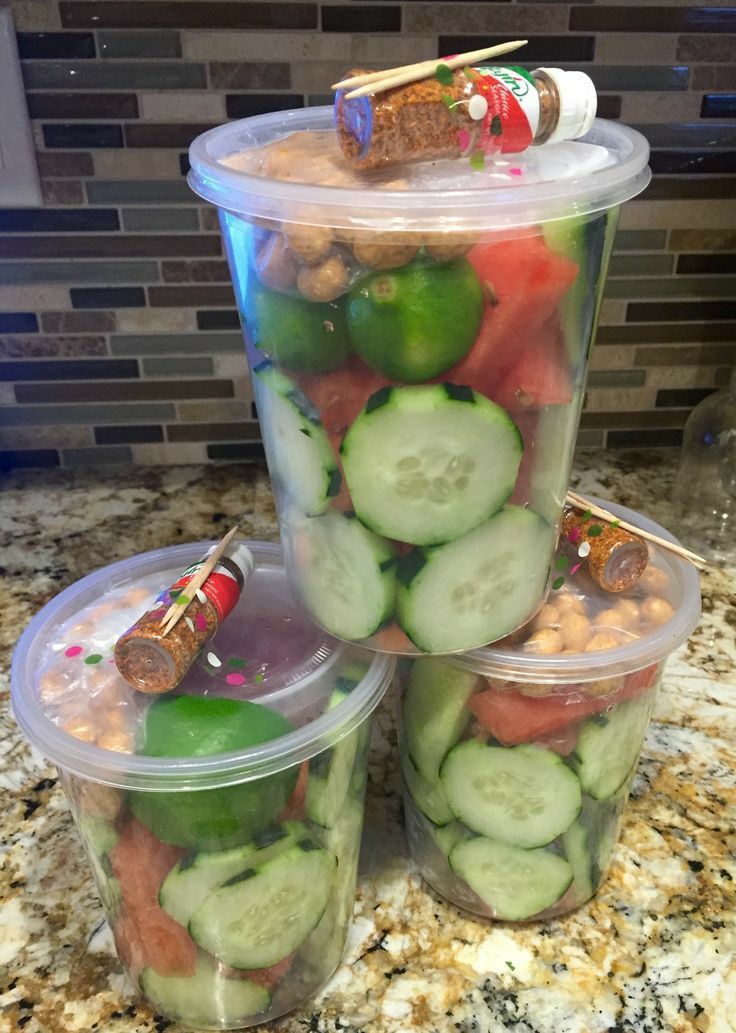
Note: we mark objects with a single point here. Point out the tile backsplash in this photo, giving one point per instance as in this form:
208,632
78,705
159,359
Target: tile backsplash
119,337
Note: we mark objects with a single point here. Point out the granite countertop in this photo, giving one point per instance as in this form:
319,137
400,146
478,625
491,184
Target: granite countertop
655,950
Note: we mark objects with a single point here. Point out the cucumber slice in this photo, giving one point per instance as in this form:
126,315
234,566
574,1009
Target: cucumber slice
427,464
345,574
514,883
447,837
99,837
261,915
602,820
576,844
206,998
330,773
479,588
523,795
435,712
428,796
300,455
609,744
191,881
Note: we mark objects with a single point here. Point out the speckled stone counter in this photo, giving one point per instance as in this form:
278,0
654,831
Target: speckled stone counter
655,951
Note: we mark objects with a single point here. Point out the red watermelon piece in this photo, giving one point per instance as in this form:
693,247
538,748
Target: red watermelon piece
145,935
294,809
541,374
528,282
339,396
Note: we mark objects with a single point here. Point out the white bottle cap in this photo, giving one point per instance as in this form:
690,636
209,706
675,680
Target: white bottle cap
578,103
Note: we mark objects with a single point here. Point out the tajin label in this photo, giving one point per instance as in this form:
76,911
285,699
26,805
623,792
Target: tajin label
511,116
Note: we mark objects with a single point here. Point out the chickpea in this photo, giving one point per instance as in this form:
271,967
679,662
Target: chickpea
80,728
574,630
653,580
656,610
565,601
628,610
444,247
547,617
385,250
323,282
276,265
601,640
609,618
546,640
115,719
120,742
310,244
603,686
51,687
82,630
102,611
100,801
530,689
137,596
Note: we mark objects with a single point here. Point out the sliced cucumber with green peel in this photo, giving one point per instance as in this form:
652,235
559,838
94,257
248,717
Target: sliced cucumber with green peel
609,744
191,881
330,773
514,883
576,842
428,796
523,795
476,589
205,999
100,836
434,712
447,837
300,454
345,574
427,464
263,914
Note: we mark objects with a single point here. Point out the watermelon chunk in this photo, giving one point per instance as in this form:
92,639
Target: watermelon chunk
528,282
145,935
541,374
339,396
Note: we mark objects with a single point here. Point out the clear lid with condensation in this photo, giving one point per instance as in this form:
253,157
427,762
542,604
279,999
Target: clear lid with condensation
580,177
72,703
585,633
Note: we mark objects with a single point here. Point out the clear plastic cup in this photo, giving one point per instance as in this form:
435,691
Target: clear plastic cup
518,759
418,342
227,877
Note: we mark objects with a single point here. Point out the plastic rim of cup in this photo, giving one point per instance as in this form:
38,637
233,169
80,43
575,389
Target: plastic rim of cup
132,771
632,656
483,207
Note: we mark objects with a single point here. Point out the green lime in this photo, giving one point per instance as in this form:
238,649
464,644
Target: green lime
412,324
211,819
310,336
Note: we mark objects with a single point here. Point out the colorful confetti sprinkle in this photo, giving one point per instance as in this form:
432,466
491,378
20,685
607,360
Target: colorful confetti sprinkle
235,679
444,75
516,172
213,660
201,596
182,599
575,568
463,139
158,614
72,651
558,582
584,550
562,563
259,677
93,658
236,661
189,623
574,535
477,160
595,530
200,622
587,515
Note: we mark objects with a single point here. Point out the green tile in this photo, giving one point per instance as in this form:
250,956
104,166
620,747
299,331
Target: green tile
640,240
95,456
151,220
99,75
175,344
135,412
78,272
640,265
178,365
677,287
139,44
142,191
617,378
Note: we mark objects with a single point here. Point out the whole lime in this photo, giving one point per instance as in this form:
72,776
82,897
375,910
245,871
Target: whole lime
412,324
308,336
211,819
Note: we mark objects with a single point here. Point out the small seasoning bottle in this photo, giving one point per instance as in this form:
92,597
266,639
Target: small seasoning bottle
616,558
154,663
466,112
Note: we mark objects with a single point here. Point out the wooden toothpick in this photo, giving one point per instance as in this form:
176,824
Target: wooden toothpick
581,503
378,82
177,609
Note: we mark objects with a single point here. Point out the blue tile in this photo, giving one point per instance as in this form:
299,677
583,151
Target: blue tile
28,458
240,453
70,135
538,48
719,105
123,435
55,44
710,19
78,272
361,19
617,78
87,413
58,220
18,323
243,105
689,134
138,191
68,369
139,44
104,75
687,162
96,456
108,297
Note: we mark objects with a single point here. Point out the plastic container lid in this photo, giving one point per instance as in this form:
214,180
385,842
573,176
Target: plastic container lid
680,588
548,182
578,104
266,651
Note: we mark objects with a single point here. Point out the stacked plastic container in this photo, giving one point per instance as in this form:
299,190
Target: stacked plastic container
418,348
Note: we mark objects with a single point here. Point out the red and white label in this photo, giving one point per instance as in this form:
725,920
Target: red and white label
221,588
511,118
